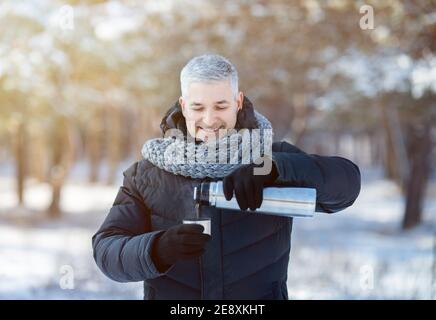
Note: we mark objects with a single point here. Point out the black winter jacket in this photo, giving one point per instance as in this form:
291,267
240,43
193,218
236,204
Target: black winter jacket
248,255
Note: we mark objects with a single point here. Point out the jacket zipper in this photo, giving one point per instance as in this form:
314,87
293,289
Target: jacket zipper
200,260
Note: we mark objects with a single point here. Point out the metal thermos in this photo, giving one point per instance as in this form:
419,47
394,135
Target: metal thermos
280,201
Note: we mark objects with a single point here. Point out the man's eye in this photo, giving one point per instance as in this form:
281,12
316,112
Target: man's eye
222,108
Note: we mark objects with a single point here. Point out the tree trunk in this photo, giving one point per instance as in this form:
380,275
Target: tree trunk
420,151
38,152
20,159
94,137
57,174
396,158
61,147
114,142
299,118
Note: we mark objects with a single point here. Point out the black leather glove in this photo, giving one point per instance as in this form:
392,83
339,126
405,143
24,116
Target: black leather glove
184,241
248,187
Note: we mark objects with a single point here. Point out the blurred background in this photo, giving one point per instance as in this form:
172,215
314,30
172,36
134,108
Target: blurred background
83,84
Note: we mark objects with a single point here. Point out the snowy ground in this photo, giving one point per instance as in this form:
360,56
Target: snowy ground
361,253
355,254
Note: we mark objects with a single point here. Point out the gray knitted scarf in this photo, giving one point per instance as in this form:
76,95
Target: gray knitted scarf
181,155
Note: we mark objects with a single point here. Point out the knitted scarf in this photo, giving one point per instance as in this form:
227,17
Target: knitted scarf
180,154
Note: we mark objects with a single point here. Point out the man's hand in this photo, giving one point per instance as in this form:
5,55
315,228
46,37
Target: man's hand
248,187
184,241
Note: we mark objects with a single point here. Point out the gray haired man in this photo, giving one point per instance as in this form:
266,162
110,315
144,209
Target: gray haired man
247,256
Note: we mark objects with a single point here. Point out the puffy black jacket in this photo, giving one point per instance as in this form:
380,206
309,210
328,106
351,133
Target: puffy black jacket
248,255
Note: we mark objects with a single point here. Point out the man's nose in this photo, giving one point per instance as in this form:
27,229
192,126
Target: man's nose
209,118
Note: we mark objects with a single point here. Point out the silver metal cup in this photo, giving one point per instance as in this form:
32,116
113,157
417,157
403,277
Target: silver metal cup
205,222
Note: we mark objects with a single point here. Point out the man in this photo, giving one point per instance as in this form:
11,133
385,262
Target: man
247,255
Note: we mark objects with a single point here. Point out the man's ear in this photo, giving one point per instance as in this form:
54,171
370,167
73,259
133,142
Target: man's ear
182,105
240,100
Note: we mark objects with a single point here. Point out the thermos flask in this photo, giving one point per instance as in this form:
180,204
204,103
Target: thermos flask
280,201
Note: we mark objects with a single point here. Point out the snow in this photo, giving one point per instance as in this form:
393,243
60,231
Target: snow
359,253
373,74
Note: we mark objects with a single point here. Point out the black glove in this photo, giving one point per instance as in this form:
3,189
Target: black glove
247,186
184,241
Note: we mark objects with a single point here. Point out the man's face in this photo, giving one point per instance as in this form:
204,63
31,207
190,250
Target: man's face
209,107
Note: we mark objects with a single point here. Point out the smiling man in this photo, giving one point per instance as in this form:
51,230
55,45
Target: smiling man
143,237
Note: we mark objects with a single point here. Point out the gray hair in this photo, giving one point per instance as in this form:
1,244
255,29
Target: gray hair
207,68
